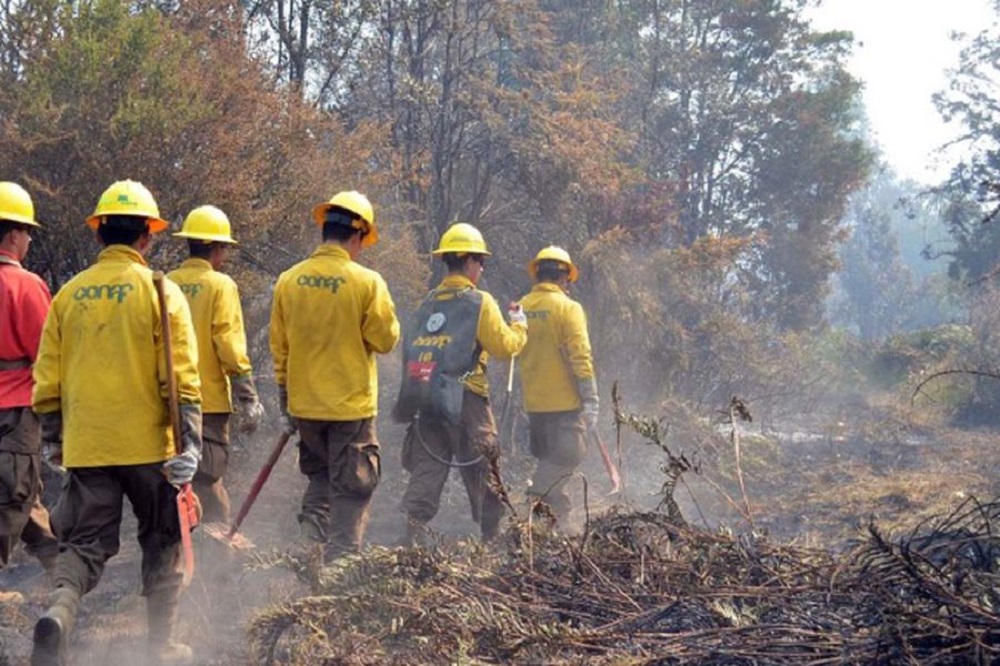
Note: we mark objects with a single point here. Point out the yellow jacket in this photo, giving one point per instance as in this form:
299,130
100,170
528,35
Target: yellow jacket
493,334
558,350
218,321
329,318
101,362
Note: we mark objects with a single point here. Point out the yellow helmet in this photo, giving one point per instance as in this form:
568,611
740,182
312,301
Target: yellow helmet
207,223
15,205
462,238
353,202
553,253
128,197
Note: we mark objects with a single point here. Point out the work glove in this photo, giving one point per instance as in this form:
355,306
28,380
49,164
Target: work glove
515,314
181,468
590,404
288,423
52,446
248,407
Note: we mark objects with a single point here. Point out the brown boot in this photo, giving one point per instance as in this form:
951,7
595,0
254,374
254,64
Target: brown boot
53,628
161,611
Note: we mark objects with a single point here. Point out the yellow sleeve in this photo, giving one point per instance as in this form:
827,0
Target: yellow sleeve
380,328
278,336
46,394
497,337
183,344
577,341
228,335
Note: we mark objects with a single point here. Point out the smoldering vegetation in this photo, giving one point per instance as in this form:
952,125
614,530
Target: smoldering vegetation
646,588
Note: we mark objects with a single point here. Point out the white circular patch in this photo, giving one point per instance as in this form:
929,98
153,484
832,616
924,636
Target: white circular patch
435,322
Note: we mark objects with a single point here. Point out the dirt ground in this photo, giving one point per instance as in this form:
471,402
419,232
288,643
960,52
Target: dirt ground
815,489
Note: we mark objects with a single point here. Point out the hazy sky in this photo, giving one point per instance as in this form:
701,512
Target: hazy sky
902,50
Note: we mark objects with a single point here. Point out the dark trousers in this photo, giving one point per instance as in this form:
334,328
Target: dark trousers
341,460
557,440
431,442
207,482
88,518
22,515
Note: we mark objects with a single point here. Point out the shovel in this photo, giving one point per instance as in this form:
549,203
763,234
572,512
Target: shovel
227,534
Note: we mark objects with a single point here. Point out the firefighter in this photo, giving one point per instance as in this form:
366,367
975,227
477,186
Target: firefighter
445,391
223,364
24,302
557,378
101,397
329,318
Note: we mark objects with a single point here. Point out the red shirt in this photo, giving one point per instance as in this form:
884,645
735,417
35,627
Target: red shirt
24,304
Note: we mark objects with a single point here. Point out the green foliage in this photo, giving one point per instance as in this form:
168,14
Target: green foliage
980,353
671,329
878,286
905,355
971,194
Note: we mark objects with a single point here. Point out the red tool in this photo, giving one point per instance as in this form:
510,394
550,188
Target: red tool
227,534
189,513
609,465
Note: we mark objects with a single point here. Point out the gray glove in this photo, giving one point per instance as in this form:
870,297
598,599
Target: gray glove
181,468
248,407
51,430
590,404
288,422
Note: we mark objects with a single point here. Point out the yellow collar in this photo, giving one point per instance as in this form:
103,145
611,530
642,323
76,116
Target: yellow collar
121,253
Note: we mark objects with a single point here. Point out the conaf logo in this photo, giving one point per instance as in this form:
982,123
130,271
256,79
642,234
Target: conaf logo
439,341
191,289
97,292
321,282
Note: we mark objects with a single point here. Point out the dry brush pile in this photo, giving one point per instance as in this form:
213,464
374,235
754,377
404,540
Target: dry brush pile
641,588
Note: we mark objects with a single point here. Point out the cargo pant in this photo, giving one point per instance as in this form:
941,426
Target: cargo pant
207,482
430,442
22,515
559,443
88,518
341,461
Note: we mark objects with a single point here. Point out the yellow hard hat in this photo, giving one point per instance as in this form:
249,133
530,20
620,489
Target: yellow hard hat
353,202
207,223
15,205
553,253
462,238
128,197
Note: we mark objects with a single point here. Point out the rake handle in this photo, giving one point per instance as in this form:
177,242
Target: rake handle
173,402
258,483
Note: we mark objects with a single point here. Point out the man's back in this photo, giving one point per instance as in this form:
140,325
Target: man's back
24,303
558,350
100,362
330,317
218,322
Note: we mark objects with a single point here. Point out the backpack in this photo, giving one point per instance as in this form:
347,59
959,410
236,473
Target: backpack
439,349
